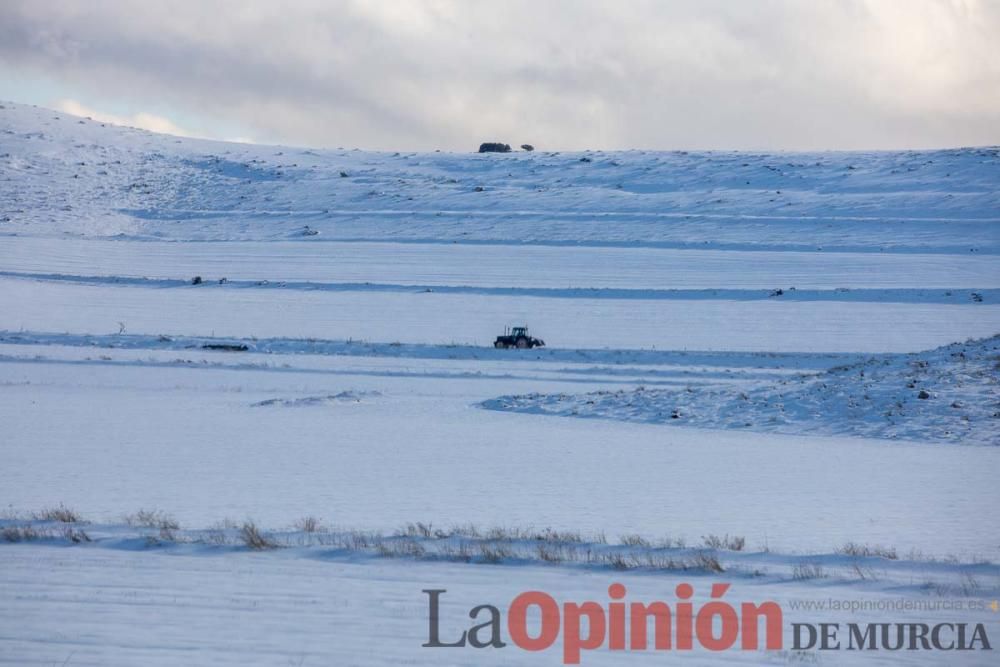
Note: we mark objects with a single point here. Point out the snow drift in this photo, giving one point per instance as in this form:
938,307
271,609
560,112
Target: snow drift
949,394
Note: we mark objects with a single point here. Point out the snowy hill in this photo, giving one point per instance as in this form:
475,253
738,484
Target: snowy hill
63,175
949,394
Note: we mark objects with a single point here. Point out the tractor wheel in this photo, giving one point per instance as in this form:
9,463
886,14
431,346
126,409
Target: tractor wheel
499,345
523,344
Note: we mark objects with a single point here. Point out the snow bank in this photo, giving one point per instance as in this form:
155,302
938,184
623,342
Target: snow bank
949,394
850,563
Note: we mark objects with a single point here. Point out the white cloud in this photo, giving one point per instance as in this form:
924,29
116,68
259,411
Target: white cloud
141,120
424,74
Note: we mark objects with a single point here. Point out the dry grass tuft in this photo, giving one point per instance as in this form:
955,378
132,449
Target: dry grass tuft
399,548
550,553
709,562
868,551
635,541
152,519
62,514
805,571
19,534
495,552
309,524
734,543
76,535
254,539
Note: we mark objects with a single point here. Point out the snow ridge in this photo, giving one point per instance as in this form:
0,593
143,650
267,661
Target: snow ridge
949,394
64,175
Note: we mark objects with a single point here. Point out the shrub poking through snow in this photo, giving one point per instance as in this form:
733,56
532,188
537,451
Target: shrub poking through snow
18,534
619,561
401,548
62,514
634,541
868,551
418,529
734,543
550,553
805,571
468,543
152,519
308,524
76,535
254,539
707,561
494,552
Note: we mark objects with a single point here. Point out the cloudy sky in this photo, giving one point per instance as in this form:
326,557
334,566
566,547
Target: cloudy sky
561,74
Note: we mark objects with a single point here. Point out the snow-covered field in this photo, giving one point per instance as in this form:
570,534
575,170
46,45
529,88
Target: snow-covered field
367,289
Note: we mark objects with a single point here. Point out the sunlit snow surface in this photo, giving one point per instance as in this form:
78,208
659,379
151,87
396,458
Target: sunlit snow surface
368,302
